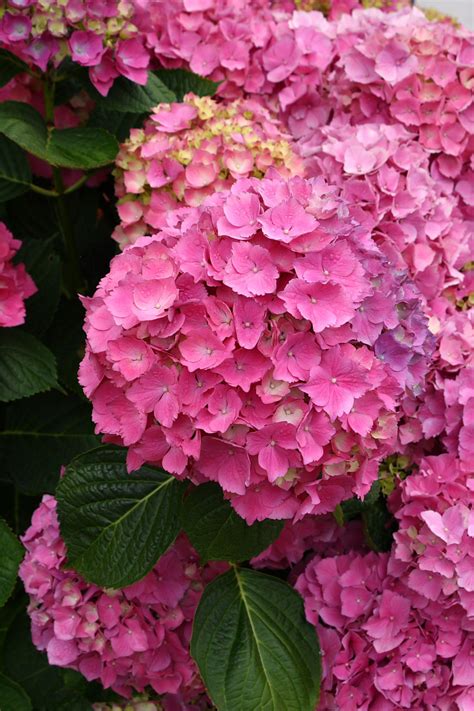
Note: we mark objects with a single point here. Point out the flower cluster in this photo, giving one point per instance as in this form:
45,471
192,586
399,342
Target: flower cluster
168,702
15,284
264,342
386,645
400,135
98,34
312,535
188,151
445,411
436,533
130,639
250,47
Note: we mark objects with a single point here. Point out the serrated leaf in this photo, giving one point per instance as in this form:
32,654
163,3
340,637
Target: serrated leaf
15,172
84,147
12,696
40,435
218,533
127,97
27,367
11,554
181,82
44,266
116,525
253,645
10,66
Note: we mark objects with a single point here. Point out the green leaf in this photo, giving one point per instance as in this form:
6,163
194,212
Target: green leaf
40,435
15,173
28,667
11,554
218,533
24,125
127,97
116,525
84,148
117,123
10,66
44,266
65,338
253,646
12,696
379,526
181,82
27,367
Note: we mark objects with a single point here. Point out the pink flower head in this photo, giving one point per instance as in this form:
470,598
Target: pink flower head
15,284
188,151
129,639
212,341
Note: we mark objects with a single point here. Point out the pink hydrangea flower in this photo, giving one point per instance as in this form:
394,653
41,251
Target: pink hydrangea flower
220,356
129,640
15,284
382,646
188,151
100,35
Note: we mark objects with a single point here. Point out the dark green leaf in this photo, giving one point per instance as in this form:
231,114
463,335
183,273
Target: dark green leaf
65,337
378,526
10,66
15,173
117,123
127,97
11,554
253,646
12,696
84,148
40,435
218,533
181,82
32,216
116,525
28,667
22,124
44,266
27,367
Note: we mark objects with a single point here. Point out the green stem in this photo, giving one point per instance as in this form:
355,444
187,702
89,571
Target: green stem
43,191
72,271
78,184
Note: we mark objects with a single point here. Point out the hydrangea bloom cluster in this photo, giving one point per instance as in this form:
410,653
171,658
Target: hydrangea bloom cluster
312,535
263,342
436,533
130,639
386,645
445,411
15,284
188,151
169,702
400,136
250,47
98,34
